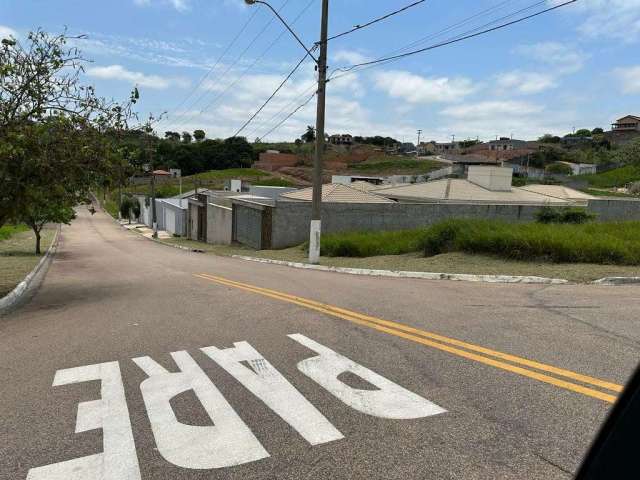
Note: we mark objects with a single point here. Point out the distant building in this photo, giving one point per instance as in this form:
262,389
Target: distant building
624,130
505,143
447,147
339,139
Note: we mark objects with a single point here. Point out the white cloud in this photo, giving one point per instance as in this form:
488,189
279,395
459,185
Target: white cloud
524,83
179,5
118,72
629,78
349,56
492,108
618,19
6,32
563,58
417,89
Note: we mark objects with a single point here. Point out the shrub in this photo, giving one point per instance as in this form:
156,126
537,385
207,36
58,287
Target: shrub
559,168
564,215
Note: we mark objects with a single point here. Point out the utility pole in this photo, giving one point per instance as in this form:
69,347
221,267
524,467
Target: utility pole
154,219
315,229
418,144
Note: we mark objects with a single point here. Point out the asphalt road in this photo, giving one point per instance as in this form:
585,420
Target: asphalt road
407,378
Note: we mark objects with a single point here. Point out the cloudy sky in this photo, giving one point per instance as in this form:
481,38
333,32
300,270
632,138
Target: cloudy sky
210,64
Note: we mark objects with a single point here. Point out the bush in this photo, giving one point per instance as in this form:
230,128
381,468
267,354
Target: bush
564,215
559,168
369,244
605,243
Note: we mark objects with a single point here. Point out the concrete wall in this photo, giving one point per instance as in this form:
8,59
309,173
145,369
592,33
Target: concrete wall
290,220
618,209
248,225
192,216
287,224
175,220
219,224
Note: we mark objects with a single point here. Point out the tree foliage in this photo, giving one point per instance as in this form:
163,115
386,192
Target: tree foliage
310,135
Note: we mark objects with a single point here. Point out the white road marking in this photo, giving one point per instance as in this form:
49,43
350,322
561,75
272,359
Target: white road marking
265,382
389,401
227,443
118,461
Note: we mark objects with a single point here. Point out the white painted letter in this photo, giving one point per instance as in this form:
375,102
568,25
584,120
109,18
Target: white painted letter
118,460
272,388
227,443
388,401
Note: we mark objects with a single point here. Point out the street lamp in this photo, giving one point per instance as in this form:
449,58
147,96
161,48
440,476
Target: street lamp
321,62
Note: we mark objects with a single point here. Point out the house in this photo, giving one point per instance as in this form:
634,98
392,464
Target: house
581,168
447,147
349,179
339,139
505,143
484,185
624,130
335,193
427,148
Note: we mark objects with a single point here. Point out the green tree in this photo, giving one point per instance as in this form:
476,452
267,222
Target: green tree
310,135
597,131
583,132
174,136
199,135
629,153
549,138
186,137
559,168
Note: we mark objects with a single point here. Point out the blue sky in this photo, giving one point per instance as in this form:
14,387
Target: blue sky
575,67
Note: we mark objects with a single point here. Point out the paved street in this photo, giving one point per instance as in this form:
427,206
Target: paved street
406,378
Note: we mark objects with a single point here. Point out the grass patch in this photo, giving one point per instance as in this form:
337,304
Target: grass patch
17,257
8,231
369,244
617,177
611,243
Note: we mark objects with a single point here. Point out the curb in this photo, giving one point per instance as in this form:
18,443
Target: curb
422,275
19,292
616,281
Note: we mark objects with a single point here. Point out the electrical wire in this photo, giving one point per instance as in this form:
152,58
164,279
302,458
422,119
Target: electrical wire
302,60
279,124
454,40
374,21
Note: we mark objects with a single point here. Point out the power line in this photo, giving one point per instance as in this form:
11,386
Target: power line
186,117
455,40
302,60
376,20
226,50
255,62
279,124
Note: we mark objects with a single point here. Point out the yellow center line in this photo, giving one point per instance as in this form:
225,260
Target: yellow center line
443,343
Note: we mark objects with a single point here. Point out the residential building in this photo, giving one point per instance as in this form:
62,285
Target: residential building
505,143
341,139
484,185
335,193
624,130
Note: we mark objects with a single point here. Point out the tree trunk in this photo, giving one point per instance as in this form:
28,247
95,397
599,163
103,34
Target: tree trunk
37,232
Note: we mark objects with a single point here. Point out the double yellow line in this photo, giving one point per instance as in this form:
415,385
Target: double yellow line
519,365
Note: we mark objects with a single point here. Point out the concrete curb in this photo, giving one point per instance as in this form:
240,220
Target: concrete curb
19,292
615,281
422,275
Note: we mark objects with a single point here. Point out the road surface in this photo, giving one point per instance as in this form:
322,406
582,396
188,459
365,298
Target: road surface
285,373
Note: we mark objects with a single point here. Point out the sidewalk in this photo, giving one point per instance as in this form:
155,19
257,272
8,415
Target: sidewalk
144,230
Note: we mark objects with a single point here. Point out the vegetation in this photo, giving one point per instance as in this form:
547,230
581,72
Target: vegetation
559,168
56,134
617,177
8,231
605,243
601,243
564,215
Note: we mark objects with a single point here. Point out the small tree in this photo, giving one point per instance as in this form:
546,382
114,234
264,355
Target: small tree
43,207
186,137
199,135
583,132
597,131
310,135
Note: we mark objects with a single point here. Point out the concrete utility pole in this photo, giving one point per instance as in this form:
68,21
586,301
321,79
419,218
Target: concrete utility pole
315,228
154,219
418,144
